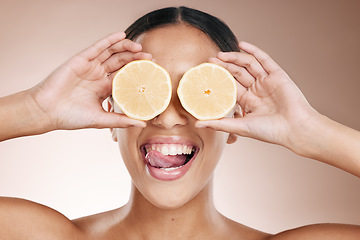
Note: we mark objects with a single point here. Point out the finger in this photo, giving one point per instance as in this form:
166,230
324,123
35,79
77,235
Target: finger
116,61
117,120
97,48
122,46
265,60
240,88
244,60
229,125
240,73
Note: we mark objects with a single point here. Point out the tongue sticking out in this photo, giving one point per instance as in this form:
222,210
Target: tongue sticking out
156,159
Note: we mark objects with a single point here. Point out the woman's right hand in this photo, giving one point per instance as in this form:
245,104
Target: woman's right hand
71,97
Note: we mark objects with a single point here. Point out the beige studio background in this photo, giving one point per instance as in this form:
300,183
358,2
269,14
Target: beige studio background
258,184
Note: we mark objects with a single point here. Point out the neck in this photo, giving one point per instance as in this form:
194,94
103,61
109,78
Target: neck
197,218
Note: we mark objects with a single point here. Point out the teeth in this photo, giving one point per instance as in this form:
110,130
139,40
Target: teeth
173,150
164,150
184,149
170,149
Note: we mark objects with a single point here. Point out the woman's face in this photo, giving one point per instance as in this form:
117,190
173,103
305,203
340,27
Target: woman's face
170,161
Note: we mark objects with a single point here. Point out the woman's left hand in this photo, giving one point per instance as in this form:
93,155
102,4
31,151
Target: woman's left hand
273,109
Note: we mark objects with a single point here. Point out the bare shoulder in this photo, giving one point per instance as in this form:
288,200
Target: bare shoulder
23,219
320,232
310,232
235,230
102,225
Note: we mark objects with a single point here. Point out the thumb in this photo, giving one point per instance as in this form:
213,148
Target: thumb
229,125
117,120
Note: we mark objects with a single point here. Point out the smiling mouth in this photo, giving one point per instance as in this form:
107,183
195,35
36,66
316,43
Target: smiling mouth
168,161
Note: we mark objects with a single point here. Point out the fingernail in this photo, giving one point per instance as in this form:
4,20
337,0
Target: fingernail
138,45
222,55
200,126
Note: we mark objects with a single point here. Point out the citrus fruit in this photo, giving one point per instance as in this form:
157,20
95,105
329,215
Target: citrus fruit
207,91
142,89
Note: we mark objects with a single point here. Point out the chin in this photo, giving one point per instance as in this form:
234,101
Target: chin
171,196
168,203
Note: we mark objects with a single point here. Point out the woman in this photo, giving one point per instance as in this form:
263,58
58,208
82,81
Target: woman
271,109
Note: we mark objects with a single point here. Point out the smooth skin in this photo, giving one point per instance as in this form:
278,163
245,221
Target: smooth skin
71,98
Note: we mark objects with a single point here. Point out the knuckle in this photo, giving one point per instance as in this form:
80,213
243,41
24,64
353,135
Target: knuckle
250,82
126,43
260,76
238,73
252,60
110,51
249,62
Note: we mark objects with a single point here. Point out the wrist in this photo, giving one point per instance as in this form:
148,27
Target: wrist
305,137
21,116
330,142
37,117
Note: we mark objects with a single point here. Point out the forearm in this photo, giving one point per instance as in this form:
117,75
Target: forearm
20,116
330,142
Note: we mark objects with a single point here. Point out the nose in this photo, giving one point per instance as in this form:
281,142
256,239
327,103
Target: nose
173,116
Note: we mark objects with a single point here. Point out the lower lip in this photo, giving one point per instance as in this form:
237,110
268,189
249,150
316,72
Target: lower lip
169,175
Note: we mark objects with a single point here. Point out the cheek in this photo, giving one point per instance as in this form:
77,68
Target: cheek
214,143
127,141
124,139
